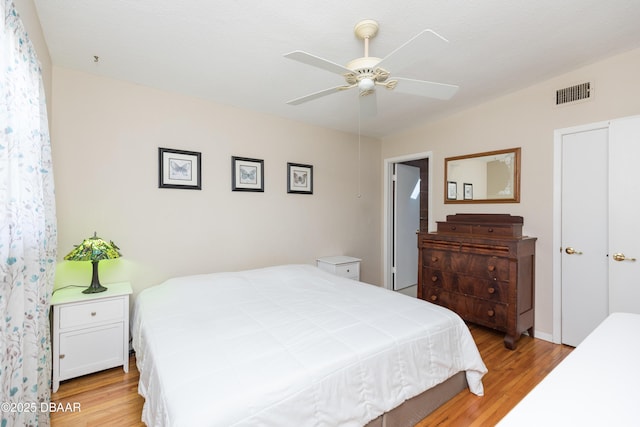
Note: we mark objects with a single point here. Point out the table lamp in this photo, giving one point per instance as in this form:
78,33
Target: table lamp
94,249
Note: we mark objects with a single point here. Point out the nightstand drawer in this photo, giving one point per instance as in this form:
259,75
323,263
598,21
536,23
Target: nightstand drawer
91,313
350,271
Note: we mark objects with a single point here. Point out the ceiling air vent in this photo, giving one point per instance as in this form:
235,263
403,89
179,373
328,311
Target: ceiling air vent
573,93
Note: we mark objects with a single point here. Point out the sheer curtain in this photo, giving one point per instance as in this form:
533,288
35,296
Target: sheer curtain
27,230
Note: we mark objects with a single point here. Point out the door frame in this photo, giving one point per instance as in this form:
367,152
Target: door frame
558,134
387,239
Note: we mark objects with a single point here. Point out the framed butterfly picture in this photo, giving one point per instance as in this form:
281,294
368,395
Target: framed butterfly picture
299,178
247,174
179,169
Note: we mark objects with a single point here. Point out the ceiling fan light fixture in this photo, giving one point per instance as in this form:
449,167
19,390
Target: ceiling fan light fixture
366,84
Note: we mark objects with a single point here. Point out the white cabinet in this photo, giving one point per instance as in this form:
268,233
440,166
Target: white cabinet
90,331
340,265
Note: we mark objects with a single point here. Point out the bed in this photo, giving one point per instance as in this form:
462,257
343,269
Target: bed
294,345
595,385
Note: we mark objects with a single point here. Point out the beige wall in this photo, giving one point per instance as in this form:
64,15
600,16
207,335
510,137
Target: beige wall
106,135
526,119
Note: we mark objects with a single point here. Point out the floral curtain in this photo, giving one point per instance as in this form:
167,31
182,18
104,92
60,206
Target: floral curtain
27,230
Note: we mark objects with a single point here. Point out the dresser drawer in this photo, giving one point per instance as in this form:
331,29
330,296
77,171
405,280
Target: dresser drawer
511,230
486,313
483,266
488,289
447,227
89,313
440,259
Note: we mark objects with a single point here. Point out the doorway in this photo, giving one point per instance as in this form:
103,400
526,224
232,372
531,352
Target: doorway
400,240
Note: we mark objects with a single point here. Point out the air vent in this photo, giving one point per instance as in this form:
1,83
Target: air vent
573,93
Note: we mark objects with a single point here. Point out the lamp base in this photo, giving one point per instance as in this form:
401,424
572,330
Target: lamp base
95,286
94,289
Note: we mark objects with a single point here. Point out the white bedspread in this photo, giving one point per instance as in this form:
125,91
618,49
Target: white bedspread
290,346
595,385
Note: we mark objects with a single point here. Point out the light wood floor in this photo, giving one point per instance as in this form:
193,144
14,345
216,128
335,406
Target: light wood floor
111,397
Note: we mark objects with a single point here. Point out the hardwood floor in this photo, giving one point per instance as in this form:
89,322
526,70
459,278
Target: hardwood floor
111,397
512,374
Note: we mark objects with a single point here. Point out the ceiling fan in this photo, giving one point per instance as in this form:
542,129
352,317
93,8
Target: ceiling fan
368,72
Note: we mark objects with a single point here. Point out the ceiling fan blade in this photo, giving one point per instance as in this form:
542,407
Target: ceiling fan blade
368,105
425,43
316,61
317,95
424,88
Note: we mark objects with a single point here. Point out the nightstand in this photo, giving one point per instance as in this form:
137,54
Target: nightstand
90,331
340,265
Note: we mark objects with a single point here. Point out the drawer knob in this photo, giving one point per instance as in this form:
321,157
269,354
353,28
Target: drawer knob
490,230
453,227
492,290
93,313
434,259
491,313
492,268
348,271
434,297
434,278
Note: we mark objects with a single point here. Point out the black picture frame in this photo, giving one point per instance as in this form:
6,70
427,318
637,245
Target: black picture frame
452,190
468,191
179,169
299,178
247,174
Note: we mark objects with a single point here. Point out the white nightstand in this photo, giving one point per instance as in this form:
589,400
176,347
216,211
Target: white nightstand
344,266
90,331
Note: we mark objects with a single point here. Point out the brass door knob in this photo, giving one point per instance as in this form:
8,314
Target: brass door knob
621,257
572,251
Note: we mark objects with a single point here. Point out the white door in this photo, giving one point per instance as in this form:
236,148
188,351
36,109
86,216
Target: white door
624,209
600,273
406,222
584,233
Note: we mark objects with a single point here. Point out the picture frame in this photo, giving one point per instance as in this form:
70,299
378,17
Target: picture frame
452,190
299,178
468,191
247,174
179,169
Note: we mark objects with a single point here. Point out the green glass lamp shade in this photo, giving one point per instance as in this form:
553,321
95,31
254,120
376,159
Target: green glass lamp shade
94,249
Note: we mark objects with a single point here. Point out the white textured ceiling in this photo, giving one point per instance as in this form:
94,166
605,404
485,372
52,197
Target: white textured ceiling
231,51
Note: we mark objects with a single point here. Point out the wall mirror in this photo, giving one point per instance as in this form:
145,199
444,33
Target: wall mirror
490,177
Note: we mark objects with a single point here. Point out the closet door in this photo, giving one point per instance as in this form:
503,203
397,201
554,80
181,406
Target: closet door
624,210
584,233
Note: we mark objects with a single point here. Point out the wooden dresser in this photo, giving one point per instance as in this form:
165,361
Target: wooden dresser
481,267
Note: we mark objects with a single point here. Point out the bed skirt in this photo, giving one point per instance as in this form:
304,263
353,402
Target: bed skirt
414,410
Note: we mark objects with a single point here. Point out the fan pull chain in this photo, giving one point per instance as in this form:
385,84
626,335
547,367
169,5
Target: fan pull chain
359,155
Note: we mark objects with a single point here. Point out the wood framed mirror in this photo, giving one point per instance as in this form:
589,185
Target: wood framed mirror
489,177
